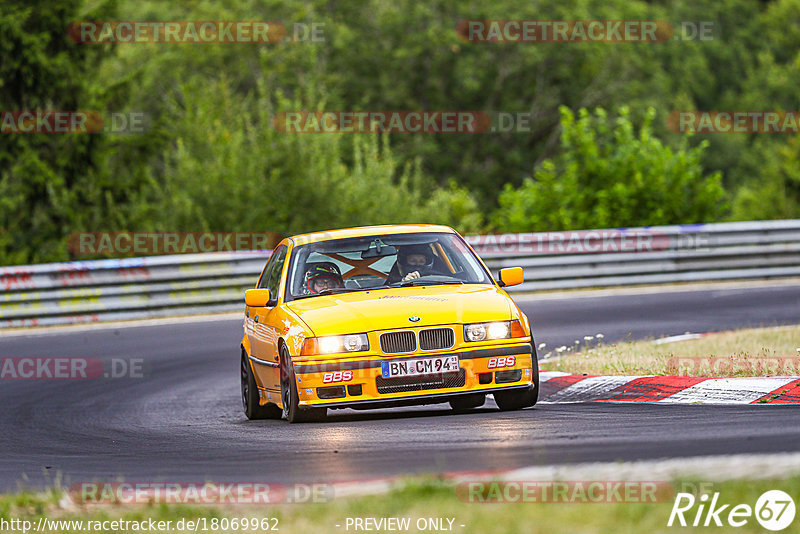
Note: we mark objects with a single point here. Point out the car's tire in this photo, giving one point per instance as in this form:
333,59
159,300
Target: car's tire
250,395
465,403
292,411
518,399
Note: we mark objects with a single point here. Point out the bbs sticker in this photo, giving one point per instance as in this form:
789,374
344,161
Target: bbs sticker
503,361
337,376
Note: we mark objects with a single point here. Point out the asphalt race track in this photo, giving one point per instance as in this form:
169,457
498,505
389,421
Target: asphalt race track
183,420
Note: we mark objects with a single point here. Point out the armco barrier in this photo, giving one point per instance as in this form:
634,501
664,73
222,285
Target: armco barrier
88,291
653,255
131,288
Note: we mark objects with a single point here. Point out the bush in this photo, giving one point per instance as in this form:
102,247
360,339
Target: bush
777,194
231,170
609,176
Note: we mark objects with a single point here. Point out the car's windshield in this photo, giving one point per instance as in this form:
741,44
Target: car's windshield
395,260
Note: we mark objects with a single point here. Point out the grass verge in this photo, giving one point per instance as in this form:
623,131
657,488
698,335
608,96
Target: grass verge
750,352
423,498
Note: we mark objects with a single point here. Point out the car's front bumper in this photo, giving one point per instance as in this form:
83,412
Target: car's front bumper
358,383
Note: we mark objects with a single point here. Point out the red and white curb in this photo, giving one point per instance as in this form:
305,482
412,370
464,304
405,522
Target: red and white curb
558,387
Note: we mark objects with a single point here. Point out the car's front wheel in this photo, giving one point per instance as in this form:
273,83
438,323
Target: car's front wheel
289,397
518,399
252,409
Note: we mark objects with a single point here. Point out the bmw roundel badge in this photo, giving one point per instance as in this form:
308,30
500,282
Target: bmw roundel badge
414,319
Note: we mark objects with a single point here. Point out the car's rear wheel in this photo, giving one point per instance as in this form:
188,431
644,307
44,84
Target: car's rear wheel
518,399
250,395
289,397
464,403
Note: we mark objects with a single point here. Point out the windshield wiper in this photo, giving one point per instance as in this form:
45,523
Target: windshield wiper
338,290
418,282
330,291
410,283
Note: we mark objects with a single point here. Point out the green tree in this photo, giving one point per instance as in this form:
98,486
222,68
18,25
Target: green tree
777,194
47,182
607,175
233,170
209,151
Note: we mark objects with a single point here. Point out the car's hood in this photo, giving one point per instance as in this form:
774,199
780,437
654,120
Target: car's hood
387,309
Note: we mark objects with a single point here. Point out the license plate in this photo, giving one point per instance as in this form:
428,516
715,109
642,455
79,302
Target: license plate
422,366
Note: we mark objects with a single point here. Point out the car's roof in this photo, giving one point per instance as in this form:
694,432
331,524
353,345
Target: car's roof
363,231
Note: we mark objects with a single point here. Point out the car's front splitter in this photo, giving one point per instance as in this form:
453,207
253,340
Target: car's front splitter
414,400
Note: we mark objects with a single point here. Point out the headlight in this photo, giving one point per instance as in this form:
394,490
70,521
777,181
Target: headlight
335,344
490,331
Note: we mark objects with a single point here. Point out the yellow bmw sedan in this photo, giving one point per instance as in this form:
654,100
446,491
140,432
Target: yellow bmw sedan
382,316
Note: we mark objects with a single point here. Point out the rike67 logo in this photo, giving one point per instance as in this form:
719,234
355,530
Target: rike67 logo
774,510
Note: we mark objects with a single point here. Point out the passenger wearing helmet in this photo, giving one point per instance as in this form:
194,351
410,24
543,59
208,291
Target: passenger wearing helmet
322,276
413,261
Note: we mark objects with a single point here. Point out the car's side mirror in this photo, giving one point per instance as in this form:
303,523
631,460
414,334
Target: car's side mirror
257,298
511,276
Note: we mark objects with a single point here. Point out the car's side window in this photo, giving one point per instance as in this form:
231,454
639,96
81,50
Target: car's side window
278,257
262,282
273,277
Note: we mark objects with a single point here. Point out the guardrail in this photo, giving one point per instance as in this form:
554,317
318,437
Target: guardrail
130,288
653,255
102,290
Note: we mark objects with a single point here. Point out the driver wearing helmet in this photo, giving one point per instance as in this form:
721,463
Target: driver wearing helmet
413,261
322,276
